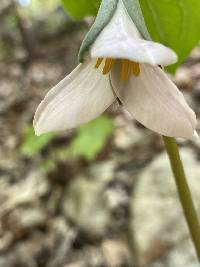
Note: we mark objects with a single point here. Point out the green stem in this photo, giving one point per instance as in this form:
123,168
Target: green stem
184,192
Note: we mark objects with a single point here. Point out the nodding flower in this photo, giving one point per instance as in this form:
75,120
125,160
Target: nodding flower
120,64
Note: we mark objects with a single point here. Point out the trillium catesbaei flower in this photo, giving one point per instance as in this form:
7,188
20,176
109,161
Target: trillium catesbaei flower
121,64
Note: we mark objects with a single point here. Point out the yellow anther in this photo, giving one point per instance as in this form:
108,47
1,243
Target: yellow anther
127,67
135,68
125,70
108,65
98,63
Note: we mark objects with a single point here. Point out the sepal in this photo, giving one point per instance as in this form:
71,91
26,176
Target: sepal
134,10
105,13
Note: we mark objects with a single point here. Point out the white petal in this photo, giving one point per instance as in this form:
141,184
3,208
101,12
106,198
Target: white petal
156,102
80,97
121,39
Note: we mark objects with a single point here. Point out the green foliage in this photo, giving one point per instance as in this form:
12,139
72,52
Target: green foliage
174,23
33,144
91,138
48,165
81,8
87,143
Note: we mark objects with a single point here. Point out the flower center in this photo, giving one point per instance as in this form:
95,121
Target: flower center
127,67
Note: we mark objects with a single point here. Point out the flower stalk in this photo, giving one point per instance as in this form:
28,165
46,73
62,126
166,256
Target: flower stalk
184,192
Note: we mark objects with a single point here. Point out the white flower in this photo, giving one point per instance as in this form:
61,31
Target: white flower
123,65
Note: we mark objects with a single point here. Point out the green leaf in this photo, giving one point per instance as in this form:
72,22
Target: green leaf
33,144
174,23
81,8
91,138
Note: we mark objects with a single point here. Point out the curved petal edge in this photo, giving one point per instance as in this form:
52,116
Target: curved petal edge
80,97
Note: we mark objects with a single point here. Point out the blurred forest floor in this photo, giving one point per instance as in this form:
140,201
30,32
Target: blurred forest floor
99,196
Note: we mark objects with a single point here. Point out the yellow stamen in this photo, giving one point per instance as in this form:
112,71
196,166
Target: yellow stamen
128,67
98,63
125,69
108,65
135,68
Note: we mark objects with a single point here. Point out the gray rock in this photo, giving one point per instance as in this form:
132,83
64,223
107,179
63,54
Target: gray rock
97,201
116,253
85,204
157,217
27,191
27,218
